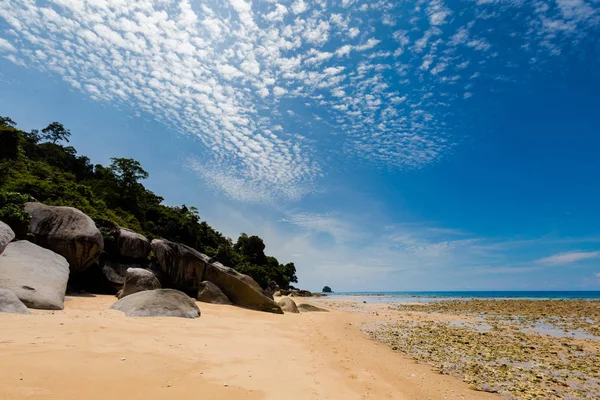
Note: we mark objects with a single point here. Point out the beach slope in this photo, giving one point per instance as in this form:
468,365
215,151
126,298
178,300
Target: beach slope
89,351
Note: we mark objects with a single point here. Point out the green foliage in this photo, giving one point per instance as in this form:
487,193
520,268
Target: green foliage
12,213
9,142
34,165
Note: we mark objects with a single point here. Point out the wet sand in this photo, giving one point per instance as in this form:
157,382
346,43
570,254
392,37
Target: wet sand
227,353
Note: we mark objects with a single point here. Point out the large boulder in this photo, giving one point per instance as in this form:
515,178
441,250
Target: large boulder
185,268
36,275
210,293
132,245
6,236
10,303
181,266
158,303
240,289
288,305
66,231
138,280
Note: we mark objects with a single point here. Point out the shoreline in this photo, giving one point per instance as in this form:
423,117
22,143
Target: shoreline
227,353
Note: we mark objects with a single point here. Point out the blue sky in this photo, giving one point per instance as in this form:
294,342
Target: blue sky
380,145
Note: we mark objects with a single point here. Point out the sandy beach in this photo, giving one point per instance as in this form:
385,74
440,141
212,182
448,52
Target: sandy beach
88,351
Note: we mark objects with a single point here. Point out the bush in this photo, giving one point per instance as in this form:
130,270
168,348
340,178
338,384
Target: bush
12,213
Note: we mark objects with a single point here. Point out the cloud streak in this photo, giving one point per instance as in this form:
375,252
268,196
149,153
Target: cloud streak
569,258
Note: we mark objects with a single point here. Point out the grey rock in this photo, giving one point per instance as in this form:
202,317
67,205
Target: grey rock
185,268
132,245
36,275
138,280
66,231
6,236
240,289
115,272
181,266
288,305
158,303
10,303
210,293
310,308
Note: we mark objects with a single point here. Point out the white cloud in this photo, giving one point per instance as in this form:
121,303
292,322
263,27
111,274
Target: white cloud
353,32
299,6
568,258
6,46
438,12
277,14
279,91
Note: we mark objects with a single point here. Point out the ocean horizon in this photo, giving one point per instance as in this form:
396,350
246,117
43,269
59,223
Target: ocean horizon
428,296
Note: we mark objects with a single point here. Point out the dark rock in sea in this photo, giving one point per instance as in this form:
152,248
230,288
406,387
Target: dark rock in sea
66,231
184,268
208,292
6,236
327,289
138,280
10,303
36,275
288,305
158,303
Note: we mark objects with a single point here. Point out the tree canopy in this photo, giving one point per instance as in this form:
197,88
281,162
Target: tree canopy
39,166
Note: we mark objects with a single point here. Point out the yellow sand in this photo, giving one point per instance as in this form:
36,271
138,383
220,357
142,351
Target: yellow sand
227,353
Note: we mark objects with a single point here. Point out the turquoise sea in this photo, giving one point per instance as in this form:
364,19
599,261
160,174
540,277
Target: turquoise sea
424,297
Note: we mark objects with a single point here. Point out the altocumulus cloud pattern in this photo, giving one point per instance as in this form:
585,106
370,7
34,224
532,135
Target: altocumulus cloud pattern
373,80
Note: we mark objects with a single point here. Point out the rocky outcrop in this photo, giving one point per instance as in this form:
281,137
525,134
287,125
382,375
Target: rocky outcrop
66,231
10,303
138,280
158,303
185,268
6,236
36,275
208,292
240,289
288,305
131,245
310,308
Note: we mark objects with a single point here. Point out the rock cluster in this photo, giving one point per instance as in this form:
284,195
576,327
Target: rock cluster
68,248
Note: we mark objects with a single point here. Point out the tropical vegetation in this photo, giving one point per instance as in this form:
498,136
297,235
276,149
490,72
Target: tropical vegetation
39,165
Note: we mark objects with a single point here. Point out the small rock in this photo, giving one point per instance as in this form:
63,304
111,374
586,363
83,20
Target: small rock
122,358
